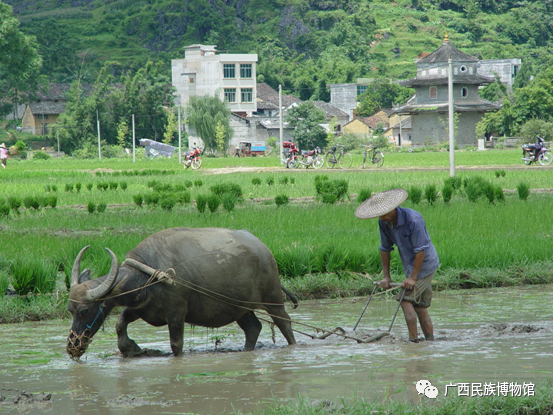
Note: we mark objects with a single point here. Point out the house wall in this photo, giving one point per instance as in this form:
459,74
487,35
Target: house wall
429,128
344,96
505,68
356,127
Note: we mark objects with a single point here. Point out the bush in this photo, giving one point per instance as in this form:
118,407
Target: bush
523,191
138,199
229,201
415,194
213,202
447,192
430,193
41,155
201,202
101,208
91,207
281,200
364,194
256,181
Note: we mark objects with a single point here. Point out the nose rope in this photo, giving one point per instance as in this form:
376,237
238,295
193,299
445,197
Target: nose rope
89,326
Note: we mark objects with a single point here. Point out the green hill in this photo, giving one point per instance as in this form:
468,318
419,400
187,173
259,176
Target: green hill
302,44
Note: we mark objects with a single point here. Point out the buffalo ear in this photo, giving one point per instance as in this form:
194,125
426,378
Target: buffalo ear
85,276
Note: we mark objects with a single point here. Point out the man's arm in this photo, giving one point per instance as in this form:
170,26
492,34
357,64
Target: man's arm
410,281
385,259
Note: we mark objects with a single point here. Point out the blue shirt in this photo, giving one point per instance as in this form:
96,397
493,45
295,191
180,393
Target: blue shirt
410,236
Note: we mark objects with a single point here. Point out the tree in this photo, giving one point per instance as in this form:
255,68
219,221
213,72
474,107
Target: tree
171,128
306,119
19,59
204,114
220,135
379,95
122,133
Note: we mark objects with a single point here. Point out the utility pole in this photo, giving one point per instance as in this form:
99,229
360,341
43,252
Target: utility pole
99,147
180,138
451,120
280,122
133,142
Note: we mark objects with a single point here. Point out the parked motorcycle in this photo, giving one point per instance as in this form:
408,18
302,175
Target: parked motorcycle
308,159
289,152
192,158
537,152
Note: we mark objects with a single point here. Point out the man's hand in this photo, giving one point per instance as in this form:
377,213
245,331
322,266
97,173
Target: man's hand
385,283
408,283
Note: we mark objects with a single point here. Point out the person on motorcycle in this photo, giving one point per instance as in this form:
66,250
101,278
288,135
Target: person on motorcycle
405,228
536,148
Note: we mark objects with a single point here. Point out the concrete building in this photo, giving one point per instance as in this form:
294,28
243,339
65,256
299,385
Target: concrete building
344,96
506,69
204,71
428,108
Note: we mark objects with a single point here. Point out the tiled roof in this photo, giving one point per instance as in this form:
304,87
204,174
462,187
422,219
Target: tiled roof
267,98
442,80
329,109
445,52
47,108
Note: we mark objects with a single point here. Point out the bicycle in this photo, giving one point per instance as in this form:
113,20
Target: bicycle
375,157
344,160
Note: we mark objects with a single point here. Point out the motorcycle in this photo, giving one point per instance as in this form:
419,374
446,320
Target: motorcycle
536,152
308,158
192,158
289,152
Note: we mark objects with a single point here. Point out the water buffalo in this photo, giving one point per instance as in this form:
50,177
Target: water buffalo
220,276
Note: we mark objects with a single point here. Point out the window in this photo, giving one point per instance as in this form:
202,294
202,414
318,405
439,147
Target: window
230,94
245,70
247,94
229,70
433,92
361,89
464,92
463,68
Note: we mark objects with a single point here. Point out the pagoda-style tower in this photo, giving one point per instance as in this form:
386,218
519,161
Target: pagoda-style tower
428,108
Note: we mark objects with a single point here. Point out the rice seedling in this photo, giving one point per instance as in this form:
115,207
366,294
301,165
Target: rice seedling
198,183
256,181
184,197
167,201
489,191
201,202
523,191
4,210
89,186
78,186
91,207
447,192
68,187
101,208
270,180
213,202
123,185
138,199
415,194
282,200
34,275
364,194
473,190
229,202
283,180
430,193
4,283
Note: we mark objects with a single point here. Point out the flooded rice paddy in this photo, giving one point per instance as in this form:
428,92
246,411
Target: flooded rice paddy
496,336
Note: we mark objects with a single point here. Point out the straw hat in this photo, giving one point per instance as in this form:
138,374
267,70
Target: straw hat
381,203
3,145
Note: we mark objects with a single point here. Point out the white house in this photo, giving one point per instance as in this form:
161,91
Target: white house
204,71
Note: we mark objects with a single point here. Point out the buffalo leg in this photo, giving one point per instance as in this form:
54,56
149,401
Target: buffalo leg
252,327
282,320
176,335
126,345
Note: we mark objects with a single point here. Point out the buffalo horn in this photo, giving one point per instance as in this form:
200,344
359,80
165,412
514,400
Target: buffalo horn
77,267
105,287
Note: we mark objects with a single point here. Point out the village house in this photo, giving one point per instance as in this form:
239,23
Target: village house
45,110
428,108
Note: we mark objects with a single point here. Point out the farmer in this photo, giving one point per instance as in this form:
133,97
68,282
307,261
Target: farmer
405,228
3,155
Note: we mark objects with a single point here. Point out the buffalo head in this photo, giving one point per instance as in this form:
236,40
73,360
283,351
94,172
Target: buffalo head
87,304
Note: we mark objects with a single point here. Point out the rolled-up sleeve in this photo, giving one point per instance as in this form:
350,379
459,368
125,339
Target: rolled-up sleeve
386,244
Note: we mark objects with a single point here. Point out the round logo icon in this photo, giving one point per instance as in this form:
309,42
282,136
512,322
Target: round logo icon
424,386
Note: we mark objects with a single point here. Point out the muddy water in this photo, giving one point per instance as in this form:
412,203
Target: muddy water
500,335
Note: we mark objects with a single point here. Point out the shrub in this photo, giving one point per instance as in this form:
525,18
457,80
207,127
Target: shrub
281,200
201,202
41,155
256,181
430,193
229,201
415,194
91,207
167,201
523,191
447,192
138,199
364,194
213,202
101,208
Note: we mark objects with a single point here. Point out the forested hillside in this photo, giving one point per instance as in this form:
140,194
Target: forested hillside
302,44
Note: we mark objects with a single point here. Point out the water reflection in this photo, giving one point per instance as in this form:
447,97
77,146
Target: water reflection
501,335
